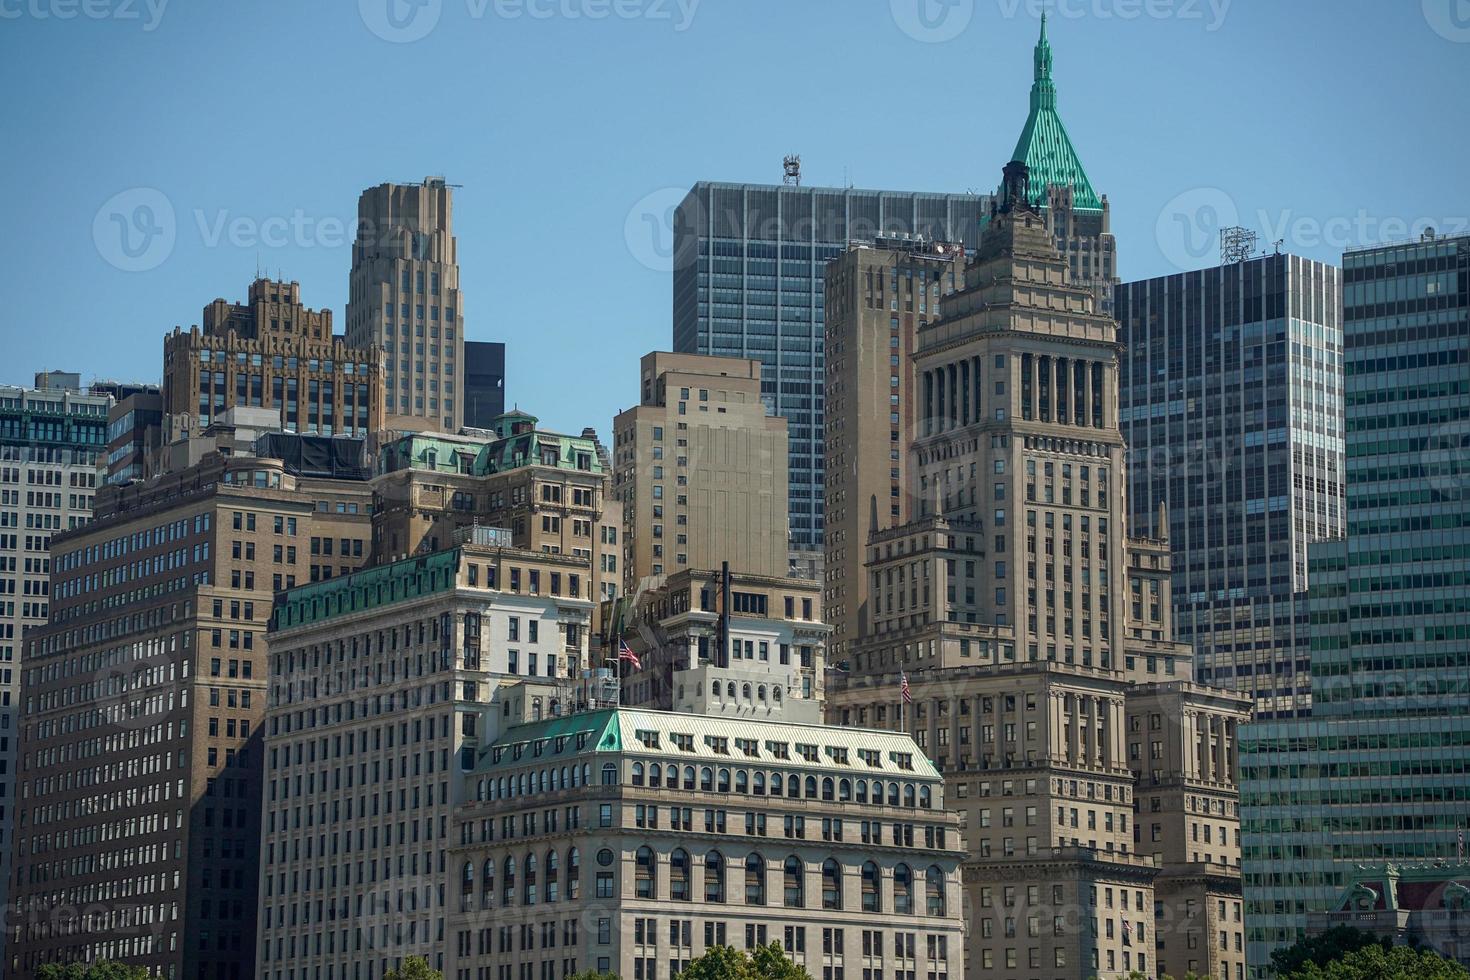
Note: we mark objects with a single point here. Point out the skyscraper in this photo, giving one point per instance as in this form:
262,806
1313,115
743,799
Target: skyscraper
270,352
1381,771
138,770
700,469
750,262
1024,638
880,294
52,440
404,298
1076,217
1230,401
484,383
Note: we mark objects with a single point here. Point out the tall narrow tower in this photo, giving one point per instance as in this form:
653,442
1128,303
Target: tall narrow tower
1075,216
404,297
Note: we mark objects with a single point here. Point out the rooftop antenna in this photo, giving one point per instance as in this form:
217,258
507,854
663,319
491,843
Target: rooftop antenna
1236,244
791,170
1277,245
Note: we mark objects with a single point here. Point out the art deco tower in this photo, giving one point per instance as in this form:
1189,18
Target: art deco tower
1036,641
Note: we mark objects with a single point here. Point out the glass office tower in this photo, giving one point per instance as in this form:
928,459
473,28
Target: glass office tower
1230,400
749,281
1380,774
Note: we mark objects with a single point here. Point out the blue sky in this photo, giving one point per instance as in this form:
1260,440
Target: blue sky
1321,122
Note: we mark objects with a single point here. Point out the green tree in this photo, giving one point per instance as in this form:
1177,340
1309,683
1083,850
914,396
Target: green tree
99,970
1373,962
414,968
1331,945
768,962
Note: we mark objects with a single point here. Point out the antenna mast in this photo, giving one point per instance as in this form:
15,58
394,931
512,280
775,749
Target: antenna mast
791,170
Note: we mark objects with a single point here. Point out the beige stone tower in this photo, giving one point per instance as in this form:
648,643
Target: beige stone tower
1028,624
880,294
404,297
701,470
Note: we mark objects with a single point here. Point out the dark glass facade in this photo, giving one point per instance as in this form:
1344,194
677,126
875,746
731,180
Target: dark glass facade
484,383
1230,400
1381,772
749,281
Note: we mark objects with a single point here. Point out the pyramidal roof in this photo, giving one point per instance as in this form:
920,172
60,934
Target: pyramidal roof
1044,146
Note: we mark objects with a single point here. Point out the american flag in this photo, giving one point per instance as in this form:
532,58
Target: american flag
625,652
903,688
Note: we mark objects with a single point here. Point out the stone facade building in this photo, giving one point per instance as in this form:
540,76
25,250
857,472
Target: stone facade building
880,294
270,353
700,469
404,299
745,646
549,490
138,780
385,687
631,841
1025,622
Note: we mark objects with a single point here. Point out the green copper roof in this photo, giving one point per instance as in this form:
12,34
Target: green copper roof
366,589
1044,146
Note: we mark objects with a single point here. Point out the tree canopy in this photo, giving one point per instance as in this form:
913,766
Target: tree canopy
414,968
99,970
1322,949
768,962
1373,962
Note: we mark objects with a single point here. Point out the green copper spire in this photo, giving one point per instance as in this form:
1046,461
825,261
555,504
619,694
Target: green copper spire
1044,146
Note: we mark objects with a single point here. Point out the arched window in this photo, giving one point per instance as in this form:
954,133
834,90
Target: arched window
908,795
637,774
609,775
706,779
903,890
679,875
553,876
487,889
755,880
811,787
893,794
745,690
688,777
714,877
760,693
777,781
934,891
643,881
508,883
656,776
926,798
794,893
862,791
844,790
467,885
827,788
793,786
759,787
723,784
776,693
831,884
730,690
574,874
742,781
528,890
871,900
714,689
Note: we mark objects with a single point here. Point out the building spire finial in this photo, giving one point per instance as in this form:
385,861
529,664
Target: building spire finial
1043,53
